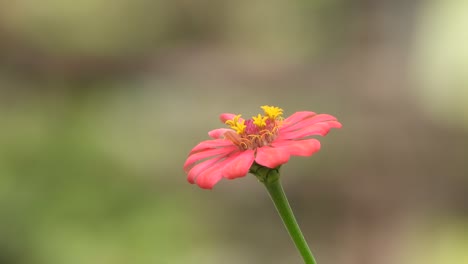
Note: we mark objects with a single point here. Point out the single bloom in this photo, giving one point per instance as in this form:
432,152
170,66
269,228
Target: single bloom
268,139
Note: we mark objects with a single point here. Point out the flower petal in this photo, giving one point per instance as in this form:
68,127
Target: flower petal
239,164
307,121
297,117
208,178
316,129
228,116
200,167
193,158
210,144
271,157
321,129
304,147
218,133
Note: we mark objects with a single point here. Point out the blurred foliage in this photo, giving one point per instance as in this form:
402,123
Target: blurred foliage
93,26
127,27
438,242
441,60
65,198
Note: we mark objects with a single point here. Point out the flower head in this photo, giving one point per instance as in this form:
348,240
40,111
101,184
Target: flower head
268,139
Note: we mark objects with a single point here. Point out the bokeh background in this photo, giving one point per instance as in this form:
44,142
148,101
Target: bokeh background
101,101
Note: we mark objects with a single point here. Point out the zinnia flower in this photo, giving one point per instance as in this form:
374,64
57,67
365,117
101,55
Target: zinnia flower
268,139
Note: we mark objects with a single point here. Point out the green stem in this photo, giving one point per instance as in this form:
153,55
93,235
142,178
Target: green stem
282,206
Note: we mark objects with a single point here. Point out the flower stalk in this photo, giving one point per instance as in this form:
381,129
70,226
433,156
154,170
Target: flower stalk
271,179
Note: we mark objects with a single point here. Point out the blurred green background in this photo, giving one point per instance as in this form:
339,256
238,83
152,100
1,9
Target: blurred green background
101,101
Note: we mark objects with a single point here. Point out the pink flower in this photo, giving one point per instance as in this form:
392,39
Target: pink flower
268,140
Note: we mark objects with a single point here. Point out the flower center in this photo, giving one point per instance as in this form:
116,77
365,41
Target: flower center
256,132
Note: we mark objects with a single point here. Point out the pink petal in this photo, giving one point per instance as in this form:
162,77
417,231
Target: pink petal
304,147
209,144
218,133
334,124
199,168
208,178
238,164
317,129
271,157
227,116
193,158
296,117
308,121
321,129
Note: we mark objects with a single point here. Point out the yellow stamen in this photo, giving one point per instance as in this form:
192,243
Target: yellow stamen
272,112
237,125
259,120
259,131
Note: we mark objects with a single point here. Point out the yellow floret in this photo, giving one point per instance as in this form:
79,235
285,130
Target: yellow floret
259,120
272,112
237,125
